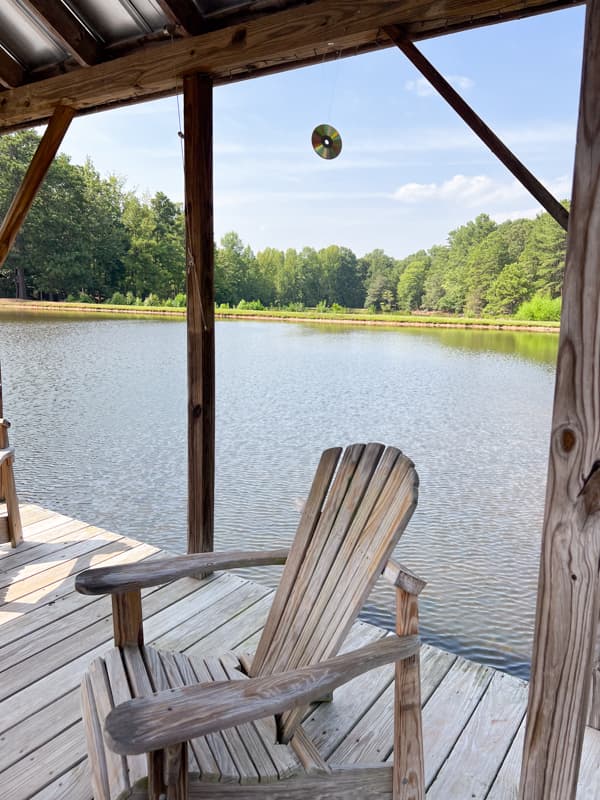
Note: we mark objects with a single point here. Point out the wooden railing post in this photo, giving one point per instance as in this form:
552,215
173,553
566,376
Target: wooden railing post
409,765
197,94
567,605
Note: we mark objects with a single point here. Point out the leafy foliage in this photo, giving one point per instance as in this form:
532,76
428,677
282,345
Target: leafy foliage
88,239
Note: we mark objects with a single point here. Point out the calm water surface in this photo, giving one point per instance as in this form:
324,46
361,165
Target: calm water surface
98,409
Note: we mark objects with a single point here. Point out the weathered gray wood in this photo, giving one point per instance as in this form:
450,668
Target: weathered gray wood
409,770
198,146
156,722
102,580
363,783
472,765
568,591
128,627
306,528
371,737
399,575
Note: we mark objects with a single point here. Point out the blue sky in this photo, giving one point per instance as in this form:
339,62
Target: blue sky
410,170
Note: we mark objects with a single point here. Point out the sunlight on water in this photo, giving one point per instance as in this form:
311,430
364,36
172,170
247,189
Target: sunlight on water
98,409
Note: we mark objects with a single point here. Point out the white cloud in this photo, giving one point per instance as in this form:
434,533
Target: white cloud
474,191
422,87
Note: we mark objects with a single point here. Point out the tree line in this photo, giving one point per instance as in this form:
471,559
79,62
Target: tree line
86,238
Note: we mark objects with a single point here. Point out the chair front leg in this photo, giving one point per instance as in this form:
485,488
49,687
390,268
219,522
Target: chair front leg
128,626
408,772
168,773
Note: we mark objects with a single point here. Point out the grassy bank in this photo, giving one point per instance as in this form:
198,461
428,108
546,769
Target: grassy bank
357,317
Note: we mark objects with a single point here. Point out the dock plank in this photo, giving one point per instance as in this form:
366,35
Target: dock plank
472,765
49,634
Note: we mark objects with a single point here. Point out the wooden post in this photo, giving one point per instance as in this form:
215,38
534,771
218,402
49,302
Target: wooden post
40,164
409,764
478,126
197,96
11,528
128,624
567,606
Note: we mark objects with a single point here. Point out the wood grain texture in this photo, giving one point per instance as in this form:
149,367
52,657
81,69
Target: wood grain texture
568,593
478,126
128,624
409,769
309,519
156,722
200,280
400,576
137,576
302,35
40,164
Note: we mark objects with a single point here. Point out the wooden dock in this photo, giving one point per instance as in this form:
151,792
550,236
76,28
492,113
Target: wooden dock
473,716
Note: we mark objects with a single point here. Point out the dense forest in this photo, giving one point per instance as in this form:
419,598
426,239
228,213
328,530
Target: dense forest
88,239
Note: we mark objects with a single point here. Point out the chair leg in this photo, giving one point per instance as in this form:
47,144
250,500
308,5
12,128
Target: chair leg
7,482
168,773
409,772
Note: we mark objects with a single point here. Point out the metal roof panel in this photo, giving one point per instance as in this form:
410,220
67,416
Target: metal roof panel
24,38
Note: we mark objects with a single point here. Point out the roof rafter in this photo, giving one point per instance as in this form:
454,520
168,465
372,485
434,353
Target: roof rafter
185,14
11,72
302,34
67,28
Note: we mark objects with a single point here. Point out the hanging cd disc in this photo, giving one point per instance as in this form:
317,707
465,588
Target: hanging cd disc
326,141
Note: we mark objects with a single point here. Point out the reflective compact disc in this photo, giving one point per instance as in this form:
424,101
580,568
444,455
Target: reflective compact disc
326,141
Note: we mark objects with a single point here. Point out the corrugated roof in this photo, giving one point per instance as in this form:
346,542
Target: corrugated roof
65,51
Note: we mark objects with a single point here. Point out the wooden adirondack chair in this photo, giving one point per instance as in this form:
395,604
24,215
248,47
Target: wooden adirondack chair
209,725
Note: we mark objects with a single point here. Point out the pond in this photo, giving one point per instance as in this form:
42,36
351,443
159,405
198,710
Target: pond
98,408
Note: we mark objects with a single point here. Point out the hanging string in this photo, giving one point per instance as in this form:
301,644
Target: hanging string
334,83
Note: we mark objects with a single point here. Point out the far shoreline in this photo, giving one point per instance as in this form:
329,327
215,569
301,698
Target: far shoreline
387,320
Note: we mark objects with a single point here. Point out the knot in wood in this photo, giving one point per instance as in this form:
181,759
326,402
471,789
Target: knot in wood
197,411
239,37
567,439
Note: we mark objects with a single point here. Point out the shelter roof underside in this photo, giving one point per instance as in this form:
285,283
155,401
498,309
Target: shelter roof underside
94,54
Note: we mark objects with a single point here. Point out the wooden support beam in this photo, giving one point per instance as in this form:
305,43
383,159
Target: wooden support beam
11,72
274,42
567,606
185,14
197,110
40,164
478,126
409,764
67,28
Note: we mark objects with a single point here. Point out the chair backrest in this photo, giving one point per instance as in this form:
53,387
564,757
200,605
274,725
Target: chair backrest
351,522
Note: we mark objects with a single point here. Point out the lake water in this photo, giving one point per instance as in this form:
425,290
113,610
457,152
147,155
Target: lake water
98,408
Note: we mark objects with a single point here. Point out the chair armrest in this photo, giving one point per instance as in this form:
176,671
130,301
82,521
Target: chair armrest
128,577
398,575
4,423
178,715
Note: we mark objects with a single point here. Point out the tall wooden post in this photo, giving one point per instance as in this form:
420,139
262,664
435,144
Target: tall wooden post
197,105
567,608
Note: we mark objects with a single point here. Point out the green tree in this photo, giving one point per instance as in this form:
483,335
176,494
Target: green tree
508,291
411,284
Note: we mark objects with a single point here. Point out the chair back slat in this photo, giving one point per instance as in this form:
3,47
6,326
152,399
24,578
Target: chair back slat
337,556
